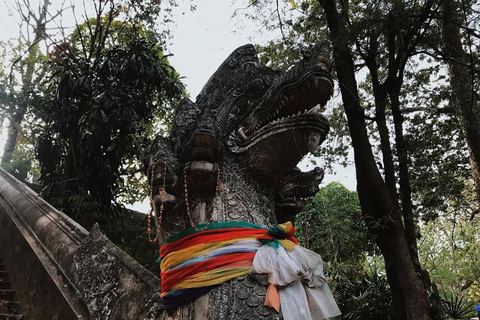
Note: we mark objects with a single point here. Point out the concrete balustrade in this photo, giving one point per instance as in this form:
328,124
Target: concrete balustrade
59,270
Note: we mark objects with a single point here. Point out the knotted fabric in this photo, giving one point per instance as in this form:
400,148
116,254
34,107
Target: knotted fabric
201,257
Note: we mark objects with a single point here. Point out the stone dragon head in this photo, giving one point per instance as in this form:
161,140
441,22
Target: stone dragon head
255,123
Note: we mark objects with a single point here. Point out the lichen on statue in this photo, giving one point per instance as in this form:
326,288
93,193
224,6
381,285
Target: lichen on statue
244,135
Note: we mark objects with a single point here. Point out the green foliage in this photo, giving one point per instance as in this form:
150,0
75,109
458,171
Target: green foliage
450,251
23,68
367,298
336,230
405,93
106,87
335,225
473,293
128,232
456,306
433,137
98,116
89,106
440,166
335,149
23,165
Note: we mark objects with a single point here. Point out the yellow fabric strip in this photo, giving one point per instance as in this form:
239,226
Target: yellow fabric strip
212,278
287,244
287,226
176,257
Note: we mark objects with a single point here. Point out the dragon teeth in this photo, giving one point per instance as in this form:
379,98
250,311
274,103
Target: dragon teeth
242,134
316,109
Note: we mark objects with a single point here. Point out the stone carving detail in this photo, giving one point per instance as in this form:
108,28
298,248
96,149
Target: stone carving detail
96,274
242,199
155,312
255,124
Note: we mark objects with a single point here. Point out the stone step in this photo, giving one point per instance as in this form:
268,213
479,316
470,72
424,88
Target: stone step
5,284
7,316
8,307
8,295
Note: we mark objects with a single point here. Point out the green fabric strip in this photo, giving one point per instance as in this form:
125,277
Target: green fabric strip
272,243
277,232
213,226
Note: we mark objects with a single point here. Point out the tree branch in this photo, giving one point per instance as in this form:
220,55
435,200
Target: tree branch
444,57
280,21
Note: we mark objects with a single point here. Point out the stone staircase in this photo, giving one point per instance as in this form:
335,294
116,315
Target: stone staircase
8,306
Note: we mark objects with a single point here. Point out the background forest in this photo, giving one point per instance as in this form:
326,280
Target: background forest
81,107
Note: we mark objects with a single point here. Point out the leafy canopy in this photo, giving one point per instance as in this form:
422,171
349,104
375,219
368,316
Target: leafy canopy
106,89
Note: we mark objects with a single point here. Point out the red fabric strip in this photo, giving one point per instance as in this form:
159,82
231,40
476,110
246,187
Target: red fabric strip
175,276
209,236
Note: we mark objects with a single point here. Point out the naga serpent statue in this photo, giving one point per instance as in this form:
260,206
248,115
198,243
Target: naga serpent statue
230,159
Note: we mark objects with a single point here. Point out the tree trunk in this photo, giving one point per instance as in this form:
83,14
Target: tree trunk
382,215
464,102
405,189
380,94
27,83
395,79
12,134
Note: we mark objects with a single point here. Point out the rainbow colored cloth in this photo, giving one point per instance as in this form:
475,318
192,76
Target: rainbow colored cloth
201,257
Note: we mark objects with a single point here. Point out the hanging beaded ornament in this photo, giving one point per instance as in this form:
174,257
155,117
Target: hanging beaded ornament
160,213
306,228
187,204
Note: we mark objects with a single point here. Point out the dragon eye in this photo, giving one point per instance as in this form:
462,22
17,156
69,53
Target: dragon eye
306,54
257,85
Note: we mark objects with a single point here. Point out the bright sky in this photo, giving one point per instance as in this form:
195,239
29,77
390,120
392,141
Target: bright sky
201,41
